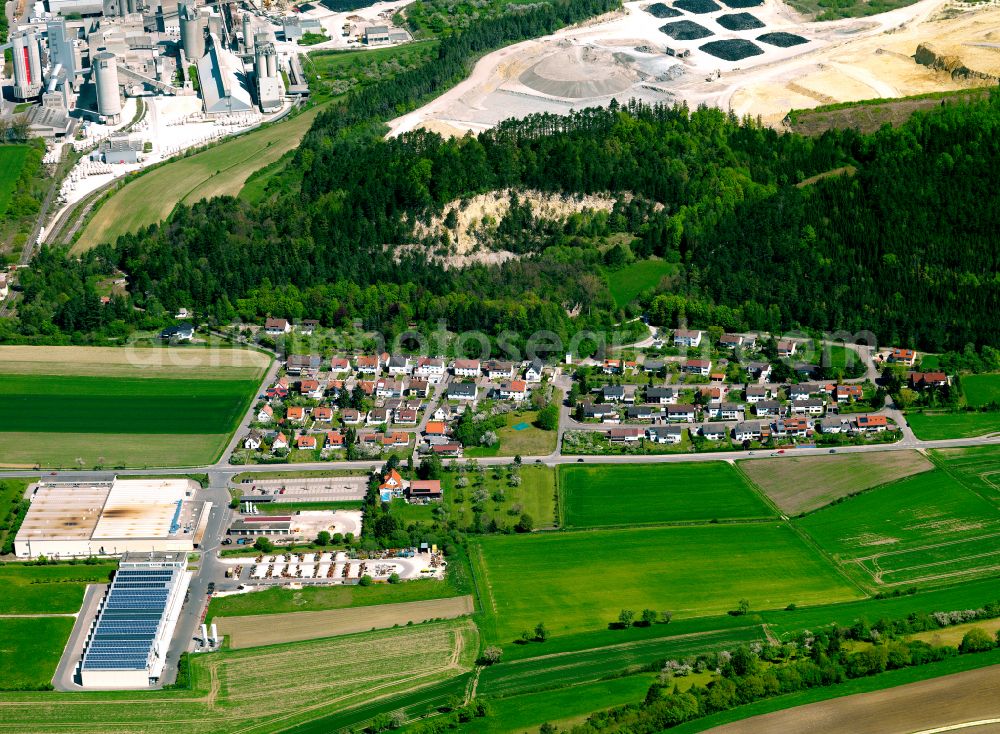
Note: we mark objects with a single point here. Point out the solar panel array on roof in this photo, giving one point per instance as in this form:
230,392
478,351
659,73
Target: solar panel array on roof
129,619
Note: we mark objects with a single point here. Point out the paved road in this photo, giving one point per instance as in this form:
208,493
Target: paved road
64,679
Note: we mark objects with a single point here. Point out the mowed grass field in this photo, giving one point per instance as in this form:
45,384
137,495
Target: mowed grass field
982,390
48,589
799,484
265,689
927,528
578,581
219,171
30,649
12,159
71,407
935,426
623,494
626,284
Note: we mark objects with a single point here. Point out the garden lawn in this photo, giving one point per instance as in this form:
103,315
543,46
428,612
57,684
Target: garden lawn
576,581
931,426
535,497
620,494
12,158
982,390
30,649
629,282
315,598
530,441
927,528
48,589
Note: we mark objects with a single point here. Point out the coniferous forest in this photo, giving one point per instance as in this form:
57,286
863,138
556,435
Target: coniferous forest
901,236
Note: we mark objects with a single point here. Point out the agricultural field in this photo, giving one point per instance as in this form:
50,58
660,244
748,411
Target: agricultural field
222,170
316,598
271,629
691,571
928,528
30,649
12,158
936,426
978,468
982,390
260,690
800,484
58,589
628,494
626,284
162,407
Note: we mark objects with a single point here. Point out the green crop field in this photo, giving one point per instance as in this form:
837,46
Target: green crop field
578,581
315,598
935,426
982,390
978,468
30,649
626,284
927,528
48,589
80,407
12,158
261,690
805,483
219,171
624,494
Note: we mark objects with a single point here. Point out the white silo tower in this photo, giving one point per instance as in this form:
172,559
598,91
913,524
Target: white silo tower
109,101
192,31
248,33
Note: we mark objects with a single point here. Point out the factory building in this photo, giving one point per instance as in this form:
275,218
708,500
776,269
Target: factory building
126,646
62,51
111,518
270,89
27,57
222,91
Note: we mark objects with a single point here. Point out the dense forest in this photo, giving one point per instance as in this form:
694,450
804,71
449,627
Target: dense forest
898,237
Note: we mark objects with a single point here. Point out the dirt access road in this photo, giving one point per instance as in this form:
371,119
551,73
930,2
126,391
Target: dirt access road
968,701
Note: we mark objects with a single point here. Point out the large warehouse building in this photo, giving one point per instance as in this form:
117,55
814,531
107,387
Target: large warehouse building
128,642
111,518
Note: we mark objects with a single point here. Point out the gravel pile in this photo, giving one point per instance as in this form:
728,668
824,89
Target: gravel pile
732,49
685,30
784,40
739,22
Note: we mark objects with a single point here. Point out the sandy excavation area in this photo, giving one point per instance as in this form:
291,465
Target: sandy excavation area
636,55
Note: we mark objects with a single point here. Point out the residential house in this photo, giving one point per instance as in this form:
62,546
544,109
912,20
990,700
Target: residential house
757,393
687,338
786,348
280,442
369,440
794,427
871,423
303,364
452,449
431,369
340,365
253,441
833,424
604,412
466,368
436,428
923,380
350,417
845,393
425,489
642,412
661,395
378,416
725,411
698,367
393,484
715,431
684,413
278,391
767,407
665,434
418,388
395,439
307,326
367,386
386,388
180,333
406,416
516,390
443,412
296,414
653,365
717,376
625,434
803,391
613,393
305,443
323,414
496,370
612,367
462,391
277,327
265,414
399,364
748,431
533,372
334,440
730,341
810,406
759,371
711,392
902,356
311,389
368,364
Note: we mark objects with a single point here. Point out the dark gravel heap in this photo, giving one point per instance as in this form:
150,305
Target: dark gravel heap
784,40
698,6
685,30
739,22
743,3
660,10
732,49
